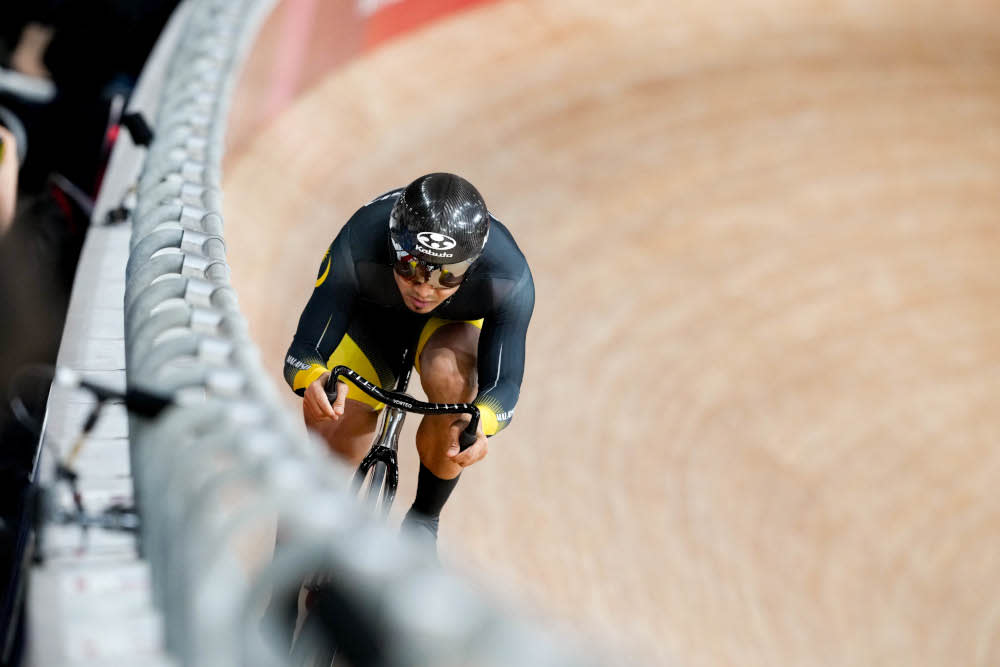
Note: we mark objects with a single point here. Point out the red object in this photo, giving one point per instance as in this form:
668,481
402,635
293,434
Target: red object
396,18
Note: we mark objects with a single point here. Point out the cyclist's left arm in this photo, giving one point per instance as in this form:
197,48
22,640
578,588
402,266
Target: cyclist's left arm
501,355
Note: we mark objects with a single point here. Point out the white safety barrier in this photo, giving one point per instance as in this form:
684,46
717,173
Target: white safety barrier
214,472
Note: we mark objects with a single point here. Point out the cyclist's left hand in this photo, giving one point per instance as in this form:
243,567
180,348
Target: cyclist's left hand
475,453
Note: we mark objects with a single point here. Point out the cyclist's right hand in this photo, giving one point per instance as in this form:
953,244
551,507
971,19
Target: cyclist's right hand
316,405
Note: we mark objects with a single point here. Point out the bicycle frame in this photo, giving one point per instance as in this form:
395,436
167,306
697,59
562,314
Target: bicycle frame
381,463
385,447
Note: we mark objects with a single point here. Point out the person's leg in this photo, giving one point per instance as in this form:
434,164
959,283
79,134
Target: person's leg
350,436
447,365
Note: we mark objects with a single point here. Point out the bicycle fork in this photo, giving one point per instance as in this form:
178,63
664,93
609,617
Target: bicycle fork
382,457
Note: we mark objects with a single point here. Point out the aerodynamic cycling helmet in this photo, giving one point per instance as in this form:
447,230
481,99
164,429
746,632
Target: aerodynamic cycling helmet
438,228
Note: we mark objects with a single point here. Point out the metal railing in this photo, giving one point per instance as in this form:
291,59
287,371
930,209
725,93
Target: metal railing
210,472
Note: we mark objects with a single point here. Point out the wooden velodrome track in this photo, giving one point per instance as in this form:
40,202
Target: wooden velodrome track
760,418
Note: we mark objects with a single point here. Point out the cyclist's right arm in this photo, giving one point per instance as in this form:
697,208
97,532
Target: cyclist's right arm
321,326
316,405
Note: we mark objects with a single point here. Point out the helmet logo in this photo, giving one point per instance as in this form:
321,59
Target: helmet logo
436,242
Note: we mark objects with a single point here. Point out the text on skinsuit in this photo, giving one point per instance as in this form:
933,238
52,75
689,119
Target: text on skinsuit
301,365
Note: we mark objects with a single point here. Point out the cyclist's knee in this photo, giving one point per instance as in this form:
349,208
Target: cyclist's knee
350,436
448,363
448,375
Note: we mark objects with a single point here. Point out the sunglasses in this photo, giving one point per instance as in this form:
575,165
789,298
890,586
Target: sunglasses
439,276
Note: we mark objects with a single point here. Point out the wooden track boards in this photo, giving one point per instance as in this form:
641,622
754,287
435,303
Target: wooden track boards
759,421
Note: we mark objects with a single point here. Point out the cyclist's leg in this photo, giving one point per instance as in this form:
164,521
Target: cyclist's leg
447,365
350,436
366,348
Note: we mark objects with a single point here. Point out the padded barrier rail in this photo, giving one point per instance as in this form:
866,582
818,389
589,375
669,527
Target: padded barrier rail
212,473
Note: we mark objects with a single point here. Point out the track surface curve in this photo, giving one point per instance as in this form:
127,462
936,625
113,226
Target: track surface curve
759,418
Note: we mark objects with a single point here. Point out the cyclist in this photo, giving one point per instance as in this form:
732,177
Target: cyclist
425,263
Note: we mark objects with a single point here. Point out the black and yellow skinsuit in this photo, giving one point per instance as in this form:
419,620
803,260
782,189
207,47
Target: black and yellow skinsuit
356,315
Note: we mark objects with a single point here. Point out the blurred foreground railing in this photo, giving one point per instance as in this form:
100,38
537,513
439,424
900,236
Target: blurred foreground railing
214,474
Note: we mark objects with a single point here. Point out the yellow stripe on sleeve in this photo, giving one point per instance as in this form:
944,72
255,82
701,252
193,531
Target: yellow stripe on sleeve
489,419
306,377
326,271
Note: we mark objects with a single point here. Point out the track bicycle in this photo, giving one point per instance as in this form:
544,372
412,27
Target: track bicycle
326,632
44,500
